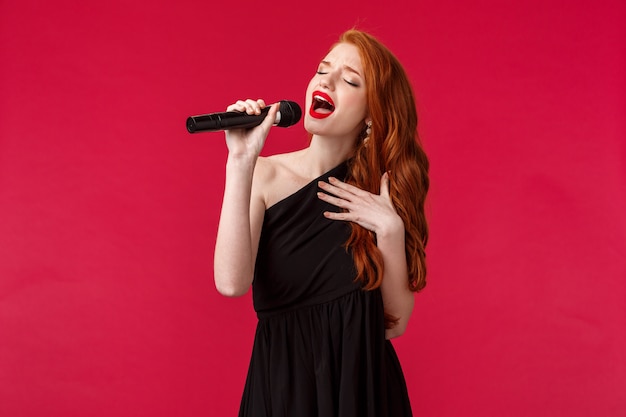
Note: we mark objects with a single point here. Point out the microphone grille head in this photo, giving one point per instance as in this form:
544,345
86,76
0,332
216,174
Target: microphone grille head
290,113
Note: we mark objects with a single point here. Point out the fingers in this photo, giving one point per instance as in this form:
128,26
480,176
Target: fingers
248,106
251,107
335,201
335,191
344,196
348,191
249,142
343,216
342,189
374,212
271,116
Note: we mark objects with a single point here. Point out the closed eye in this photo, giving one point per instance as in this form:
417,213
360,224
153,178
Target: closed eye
351,83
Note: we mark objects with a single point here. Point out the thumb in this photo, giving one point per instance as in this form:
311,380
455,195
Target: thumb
271,116
384,184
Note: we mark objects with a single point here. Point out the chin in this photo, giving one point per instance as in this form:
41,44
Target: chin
310,125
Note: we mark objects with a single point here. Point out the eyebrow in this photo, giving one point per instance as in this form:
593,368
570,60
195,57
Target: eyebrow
346,67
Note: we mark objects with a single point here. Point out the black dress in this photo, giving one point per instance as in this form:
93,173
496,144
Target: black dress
319,348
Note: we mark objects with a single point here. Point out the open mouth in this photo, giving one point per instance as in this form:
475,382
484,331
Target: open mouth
322,105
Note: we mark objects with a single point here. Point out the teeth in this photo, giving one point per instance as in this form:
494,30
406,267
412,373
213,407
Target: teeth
320,98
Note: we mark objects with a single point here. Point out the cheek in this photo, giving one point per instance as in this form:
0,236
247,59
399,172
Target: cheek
358,105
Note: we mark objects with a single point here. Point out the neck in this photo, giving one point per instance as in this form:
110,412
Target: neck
323,154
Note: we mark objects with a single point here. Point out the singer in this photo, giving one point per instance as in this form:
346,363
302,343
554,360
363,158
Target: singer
331,239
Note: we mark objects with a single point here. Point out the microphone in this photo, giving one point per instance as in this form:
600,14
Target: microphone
289,114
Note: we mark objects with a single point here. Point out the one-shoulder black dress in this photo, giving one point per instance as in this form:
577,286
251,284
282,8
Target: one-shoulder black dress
319,348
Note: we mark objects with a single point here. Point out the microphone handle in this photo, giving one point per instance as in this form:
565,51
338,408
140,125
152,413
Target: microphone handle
224,121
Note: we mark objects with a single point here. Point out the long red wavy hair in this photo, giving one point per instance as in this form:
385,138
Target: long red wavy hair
393,146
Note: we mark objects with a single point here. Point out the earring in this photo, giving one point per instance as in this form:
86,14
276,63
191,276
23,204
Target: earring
368,132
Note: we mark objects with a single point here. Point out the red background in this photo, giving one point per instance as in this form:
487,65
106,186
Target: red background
109,208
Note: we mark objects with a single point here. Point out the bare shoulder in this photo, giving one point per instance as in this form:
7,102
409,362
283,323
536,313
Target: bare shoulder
276,176
264,170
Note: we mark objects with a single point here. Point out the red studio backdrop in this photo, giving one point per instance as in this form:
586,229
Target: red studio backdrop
109,208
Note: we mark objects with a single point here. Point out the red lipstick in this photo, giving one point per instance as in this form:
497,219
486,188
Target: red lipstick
322,105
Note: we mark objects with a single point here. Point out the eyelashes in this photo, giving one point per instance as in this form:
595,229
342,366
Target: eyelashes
352,83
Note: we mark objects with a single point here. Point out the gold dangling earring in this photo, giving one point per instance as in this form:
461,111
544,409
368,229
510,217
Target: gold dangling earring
368,132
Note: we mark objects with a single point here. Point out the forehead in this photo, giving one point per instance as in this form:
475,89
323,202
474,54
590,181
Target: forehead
344,54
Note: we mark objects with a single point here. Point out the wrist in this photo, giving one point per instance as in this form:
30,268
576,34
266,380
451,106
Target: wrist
241,162
392,229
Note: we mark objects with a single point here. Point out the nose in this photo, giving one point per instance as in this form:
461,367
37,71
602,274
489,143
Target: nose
326,81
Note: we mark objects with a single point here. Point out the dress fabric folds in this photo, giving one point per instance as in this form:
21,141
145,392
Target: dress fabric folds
319,348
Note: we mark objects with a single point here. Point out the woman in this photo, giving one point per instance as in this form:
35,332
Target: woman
331,238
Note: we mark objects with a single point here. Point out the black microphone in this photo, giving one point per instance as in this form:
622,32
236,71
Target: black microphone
289,114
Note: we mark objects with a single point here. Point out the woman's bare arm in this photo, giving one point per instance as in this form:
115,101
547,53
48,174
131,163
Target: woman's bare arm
243,205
